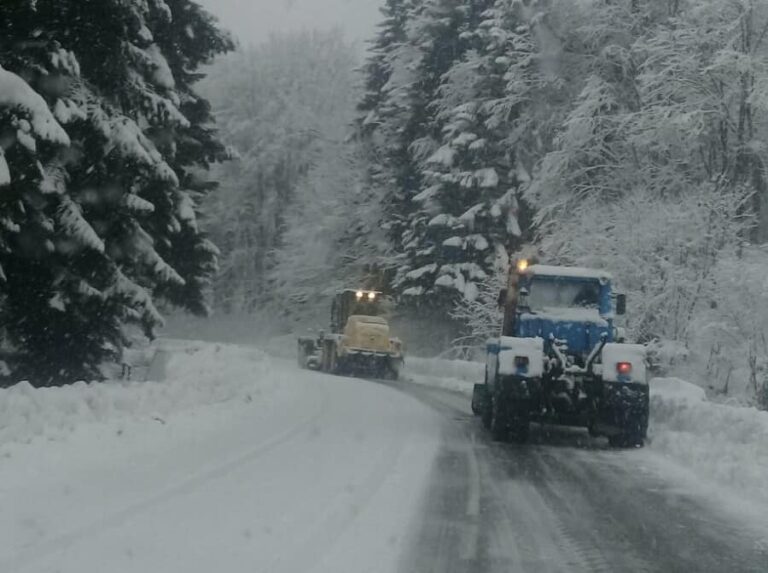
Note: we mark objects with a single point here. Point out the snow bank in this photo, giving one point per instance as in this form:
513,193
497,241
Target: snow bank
454,375
197,374
724,444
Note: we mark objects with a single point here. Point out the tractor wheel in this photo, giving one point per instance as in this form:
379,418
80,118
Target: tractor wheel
519,430
392,369
519,420
499,418
486,414
334,367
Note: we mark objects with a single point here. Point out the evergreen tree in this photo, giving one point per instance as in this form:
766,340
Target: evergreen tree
388,117
101,214
468,217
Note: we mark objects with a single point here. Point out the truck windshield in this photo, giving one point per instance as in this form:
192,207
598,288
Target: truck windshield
549,293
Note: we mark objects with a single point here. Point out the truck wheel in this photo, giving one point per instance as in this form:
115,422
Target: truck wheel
519,421
479,398
499,419
392,369
486,414
520,430
302,356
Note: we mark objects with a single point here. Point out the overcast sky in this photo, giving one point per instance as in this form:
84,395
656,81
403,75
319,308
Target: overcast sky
252,20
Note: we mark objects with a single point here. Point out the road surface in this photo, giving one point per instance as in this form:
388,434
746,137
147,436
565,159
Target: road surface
314,473
565,502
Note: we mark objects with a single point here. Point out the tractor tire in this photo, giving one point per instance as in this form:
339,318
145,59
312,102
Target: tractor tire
519,420
334,366
499,418
486,414
520,430
392,370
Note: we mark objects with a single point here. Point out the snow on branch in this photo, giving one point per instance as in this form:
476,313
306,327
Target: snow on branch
17,96
71,221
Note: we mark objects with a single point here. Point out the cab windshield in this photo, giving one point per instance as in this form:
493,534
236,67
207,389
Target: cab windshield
557,293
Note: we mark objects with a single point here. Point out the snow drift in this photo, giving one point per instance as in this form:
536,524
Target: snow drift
454,375
197,374
722,443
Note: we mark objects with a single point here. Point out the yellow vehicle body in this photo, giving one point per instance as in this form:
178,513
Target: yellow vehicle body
359,343
366,333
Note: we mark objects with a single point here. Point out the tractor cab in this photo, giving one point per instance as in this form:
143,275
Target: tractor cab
573,306
351,302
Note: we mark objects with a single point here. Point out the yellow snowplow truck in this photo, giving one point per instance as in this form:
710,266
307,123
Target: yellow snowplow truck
359,342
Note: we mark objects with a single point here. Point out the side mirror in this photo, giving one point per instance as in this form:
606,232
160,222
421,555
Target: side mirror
621,304
502,297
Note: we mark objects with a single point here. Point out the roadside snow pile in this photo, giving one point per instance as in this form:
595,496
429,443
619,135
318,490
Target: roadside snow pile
455,375
721,443
197,374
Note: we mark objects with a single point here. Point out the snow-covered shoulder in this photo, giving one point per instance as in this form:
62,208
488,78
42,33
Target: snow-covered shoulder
724,444
196,374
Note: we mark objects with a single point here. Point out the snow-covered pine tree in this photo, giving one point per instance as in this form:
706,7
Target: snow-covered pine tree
468,210
388,117
96,196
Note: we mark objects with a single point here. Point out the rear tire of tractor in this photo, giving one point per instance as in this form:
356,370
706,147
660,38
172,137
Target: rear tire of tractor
499,419
486,414
393,370
520,431
334,367
519,421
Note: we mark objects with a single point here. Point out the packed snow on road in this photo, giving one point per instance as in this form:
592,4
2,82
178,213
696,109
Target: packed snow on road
234,460
237,459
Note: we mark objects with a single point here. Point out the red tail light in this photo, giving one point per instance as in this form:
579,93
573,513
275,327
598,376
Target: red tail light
624,368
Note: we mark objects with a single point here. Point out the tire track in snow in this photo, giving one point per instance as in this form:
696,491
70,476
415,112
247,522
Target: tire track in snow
54,544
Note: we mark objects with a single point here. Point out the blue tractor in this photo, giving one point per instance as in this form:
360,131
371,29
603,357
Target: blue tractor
560,359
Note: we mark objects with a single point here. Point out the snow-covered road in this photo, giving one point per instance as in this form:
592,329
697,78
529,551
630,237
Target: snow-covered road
241,462
305,473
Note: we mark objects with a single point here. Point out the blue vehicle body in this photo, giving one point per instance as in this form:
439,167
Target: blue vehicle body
558,359
581,333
